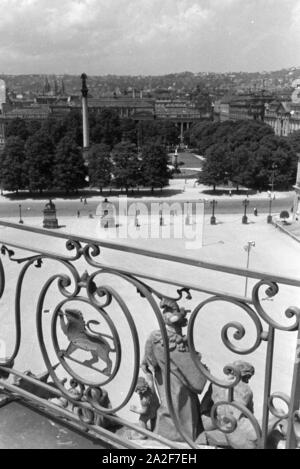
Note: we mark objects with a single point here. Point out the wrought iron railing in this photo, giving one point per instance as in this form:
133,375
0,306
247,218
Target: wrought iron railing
81,314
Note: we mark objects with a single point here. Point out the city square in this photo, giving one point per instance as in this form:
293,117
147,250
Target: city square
149,227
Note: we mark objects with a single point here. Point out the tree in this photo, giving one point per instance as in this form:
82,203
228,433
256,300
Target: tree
201,97
105,127
245,152
238,172
56,129
100,166
168,132
154,166
17,128
215,167
73,126
39,151
126,165
129,130
33,126
294,141
13,177
69,169
201,135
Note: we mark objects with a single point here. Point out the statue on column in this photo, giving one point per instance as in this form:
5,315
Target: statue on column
84,89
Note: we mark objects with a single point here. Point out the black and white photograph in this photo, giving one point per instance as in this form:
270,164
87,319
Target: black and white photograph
149,227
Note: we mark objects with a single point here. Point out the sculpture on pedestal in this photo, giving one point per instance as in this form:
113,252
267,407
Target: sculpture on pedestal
50,220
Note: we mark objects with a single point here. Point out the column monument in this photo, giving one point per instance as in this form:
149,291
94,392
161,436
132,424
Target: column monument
85,117
297,191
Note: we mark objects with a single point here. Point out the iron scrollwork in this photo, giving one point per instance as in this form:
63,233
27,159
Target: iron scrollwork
171,361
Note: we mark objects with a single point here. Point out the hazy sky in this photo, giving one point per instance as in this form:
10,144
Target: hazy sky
148,36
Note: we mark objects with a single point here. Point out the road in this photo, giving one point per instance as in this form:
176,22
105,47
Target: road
32,208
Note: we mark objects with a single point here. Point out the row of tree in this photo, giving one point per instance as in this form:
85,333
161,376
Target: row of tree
38,165
105,127
47,155
244,153
126,168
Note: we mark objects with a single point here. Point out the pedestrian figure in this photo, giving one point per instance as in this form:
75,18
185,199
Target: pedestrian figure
255,212
78,213
85,201
230,193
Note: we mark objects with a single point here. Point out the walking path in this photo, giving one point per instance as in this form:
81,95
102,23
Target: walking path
178,189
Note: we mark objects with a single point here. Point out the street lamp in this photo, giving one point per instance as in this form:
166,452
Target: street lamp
213,203
20,214
274,167
136,220
271,198
245,218
248,250
187,218
161,220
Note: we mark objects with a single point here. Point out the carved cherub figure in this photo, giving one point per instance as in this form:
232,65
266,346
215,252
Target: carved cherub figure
149,404
244,435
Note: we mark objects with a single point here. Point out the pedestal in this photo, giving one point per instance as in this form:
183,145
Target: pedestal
50,220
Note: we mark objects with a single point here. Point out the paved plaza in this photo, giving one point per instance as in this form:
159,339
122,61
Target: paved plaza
224,243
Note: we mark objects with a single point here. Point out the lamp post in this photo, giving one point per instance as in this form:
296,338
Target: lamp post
213,203
274,167
136,220
187,218
161,220
248,250
245,218
20,214
269,219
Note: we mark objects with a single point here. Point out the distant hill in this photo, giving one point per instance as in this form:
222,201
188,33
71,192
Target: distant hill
177,84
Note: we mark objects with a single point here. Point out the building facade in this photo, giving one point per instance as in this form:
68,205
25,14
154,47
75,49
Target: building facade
182,112
283,117
250,106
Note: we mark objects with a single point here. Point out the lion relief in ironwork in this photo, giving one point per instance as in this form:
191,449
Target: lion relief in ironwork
82,337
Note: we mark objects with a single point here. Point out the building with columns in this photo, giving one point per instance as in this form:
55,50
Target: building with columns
283,117
183,113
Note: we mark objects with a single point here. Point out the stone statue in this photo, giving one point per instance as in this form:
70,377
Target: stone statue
185,378
244,436
149,404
